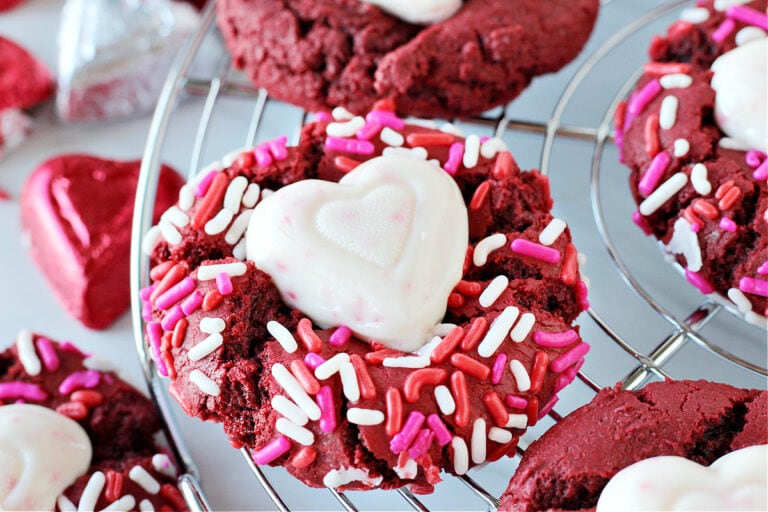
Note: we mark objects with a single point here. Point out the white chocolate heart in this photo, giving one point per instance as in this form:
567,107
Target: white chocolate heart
740,81
736,481
41,454
379,252
420,12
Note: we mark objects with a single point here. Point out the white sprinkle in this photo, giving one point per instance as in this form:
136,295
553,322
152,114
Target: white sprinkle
266,193
406,362
234,193
520,374
27,355
230,157
204,383
239,251
478,441
682,146
668,112
65,505
219,222
237,229
289,409
699,179
331,366
349,382
427,349
176,217
169,232
723,5
299,434
486,246
408,470
418,152
186,198
493,291
146,506
100,364
452,129
695,15
91,493
735,144
741,300
444,400
460,455
342,114
517,421
676,81
205,347
251,196
212,324
283,336
748,34
364,416
162,464
124,504
424,123
442,329
492,147
208,272
344,475
295,391
471,151
498,331
150,240
663,193
345,129
756,319
499,435
552,232
391,138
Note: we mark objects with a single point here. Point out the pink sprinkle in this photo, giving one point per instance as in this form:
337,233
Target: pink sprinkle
641,222
87,379
278,149
442,434
369,130
748,15
403,439
322,117
763,269
146,311
516,402
455,155
727,224
340,336
313,360
327,409
355,147
548,406
566,377
192,302
484,139
145,292
498,368
154,333
171,318
653,175
695,227
262,154
699,282
555,339
47,354
569,358
224,283
272,451
754,158
754,286
582,294
534,250
202,186
723,31
385,118
175,293
640,101
422,443
11,390
761,173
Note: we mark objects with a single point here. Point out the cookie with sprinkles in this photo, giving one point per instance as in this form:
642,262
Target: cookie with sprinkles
381,302
74,436
658,438
433,58
695,135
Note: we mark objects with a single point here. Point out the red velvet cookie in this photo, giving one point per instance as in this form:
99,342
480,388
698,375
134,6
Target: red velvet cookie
76,211
50,392
568,467
694,136
319,54
414,317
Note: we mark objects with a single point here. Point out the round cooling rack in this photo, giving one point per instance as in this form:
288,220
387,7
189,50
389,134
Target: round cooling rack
645,323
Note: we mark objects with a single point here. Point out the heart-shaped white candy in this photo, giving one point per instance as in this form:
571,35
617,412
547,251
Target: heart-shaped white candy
379,252
41,454
420,12
736,481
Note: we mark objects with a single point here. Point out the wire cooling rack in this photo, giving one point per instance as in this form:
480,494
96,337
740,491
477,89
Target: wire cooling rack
645,323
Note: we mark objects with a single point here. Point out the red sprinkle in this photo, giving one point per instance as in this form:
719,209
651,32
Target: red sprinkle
456,300
469,288
167,358
705,209
666,68
475,333
179,333
172,494
502,450
692,217
503,167
426,139
495,406
211,202
304,457
540,362
87,397
379,356
620,115
723,189
570,268
211,300
73,410
461,397
305,377
467,259
345,164
420,378
394,412
113,486
387,104
246,159
364,380
159,271
307,335
470,366
532,411
480,195
447,346
729,198
652,144
173,276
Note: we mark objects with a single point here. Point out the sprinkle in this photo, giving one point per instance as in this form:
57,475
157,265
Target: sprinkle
186,198
26,350
763,269
727,225
360,416
638,103
420,378
493,291
238,227
461,397
668,112
480,195
386,118
202,186
497,332
654,173
162,464
204,383
172,277
349,382
331,366
470,366
663,193
73,410
469,288
364,380
263,155
429,139
676,81
502,169
540,361
205,347
394,405
730,198
403,439
406,362
523,327
219,222
272,451
340,336
444,400
699,282
369,130
454,130
761,173
748,15
140,475
487,245
723,31
251,195
391,138
754,286
492,147
521,375
682,146
15,390
517,402
455,157
91,492
345,129
146,506
342,114
722,5
293,431
421,444
740,300
497,371
283,336
471,151
313,360
154,332
192,303
495,406
47,354
295,391
304,457
569,358
695,15
555,339
239,250
211,300
534,250
303,374
211,202
327,409
478,442
748,34
651,135
475,333
460,455
168,232
210,325
735,144
307,335
124,504
499,435
355,147
699,180
552,232
517,421
176,217
87,379
209,272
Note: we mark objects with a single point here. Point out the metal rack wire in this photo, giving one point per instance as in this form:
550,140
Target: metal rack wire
682,326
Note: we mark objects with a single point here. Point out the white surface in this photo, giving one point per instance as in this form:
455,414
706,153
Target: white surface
26,300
